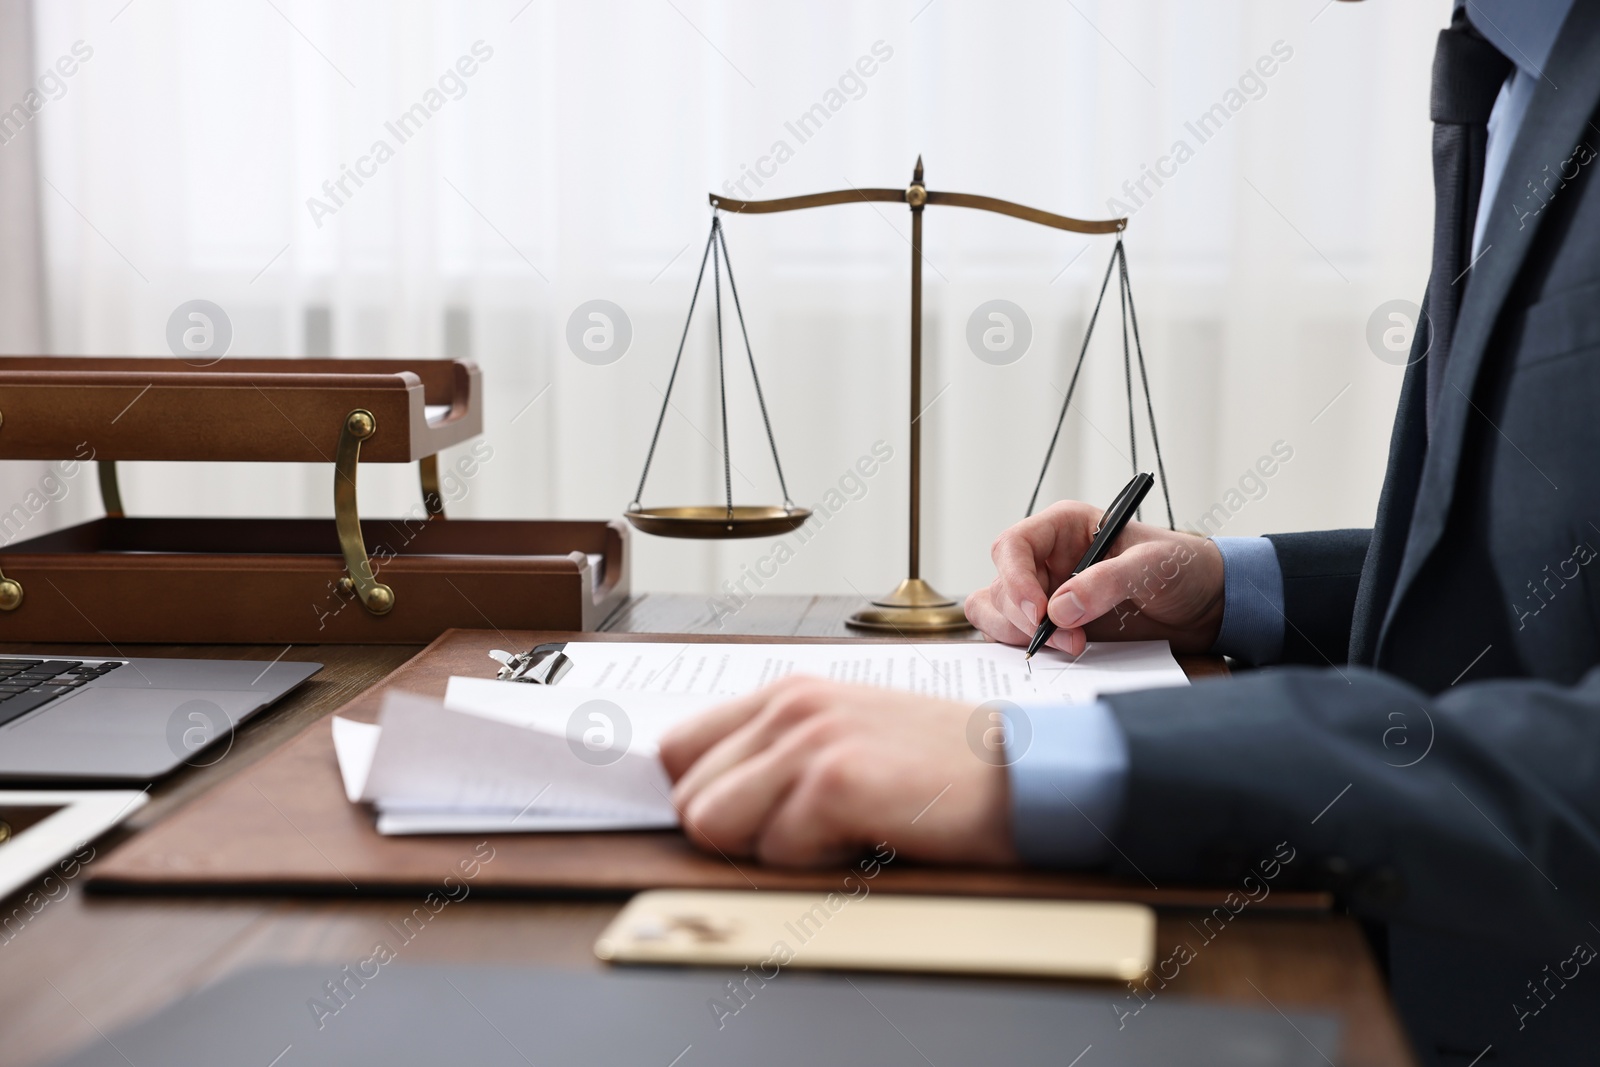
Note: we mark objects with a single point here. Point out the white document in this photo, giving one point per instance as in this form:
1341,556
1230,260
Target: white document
582,754
966,670
430,769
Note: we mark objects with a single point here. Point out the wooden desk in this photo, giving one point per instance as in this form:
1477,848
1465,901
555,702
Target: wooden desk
84,965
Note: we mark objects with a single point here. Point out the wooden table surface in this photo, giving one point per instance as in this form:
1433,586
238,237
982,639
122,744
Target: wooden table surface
82,965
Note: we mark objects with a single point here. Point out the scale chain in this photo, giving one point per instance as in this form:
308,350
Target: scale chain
1072,385
722,242
1149,405
722,377
1130,317
666,398
1127,363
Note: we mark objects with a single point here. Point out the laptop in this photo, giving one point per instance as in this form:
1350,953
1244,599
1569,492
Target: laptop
128,719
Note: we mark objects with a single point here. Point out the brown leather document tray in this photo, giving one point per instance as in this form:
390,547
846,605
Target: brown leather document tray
235,410
255,581
339,580
283,825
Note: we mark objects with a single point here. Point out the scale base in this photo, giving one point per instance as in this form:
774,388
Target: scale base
913,607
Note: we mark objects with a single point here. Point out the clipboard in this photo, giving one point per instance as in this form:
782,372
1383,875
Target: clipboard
283,825
544,664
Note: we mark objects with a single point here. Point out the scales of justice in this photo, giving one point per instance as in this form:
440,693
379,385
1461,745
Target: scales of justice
913,606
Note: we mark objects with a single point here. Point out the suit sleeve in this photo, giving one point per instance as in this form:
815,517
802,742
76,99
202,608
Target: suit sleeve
1321,571
1476,811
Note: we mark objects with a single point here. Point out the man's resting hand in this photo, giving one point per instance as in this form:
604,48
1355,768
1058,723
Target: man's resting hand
807,772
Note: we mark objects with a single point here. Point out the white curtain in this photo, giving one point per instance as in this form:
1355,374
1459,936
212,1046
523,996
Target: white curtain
542,155
33,496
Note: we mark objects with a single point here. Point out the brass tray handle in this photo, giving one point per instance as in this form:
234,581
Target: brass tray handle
375,596
428,474
110,491
10,594
10,600
427,471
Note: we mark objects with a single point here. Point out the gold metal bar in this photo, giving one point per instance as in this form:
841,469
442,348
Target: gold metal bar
913,606
1028,214
967,200
375,596
428,472
916,196
795,203
110,491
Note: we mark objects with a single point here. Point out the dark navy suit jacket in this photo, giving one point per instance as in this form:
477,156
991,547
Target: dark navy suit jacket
1436,762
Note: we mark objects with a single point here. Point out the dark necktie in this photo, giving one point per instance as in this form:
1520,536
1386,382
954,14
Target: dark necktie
1467,74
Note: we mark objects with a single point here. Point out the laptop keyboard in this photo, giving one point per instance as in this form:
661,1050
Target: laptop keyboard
26,684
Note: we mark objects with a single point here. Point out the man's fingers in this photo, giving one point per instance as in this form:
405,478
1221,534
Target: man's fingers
1022,556
686,742
729,812
784,706
991,621
806,828
1019,593
1072,642
1029,553
1087,596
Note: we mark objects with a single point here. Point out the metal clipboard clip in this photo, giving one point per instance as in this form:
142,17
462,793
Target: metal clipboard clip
540,665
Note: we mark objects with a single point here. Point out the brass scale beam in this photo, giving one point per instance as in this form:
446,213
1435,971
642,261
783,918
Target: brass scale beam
914,605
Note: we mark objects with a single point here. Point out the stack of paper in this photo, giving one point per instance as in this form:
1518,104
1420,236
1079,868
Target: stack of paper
582,754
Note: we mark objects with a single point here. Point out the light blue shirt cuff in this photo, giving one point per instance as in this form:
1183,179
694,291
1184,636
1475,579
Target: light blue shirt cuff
1252,600
1069,770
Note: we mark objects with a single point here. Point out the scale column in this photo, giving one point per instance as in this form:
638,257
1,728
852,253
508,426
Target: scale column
914,606
916,196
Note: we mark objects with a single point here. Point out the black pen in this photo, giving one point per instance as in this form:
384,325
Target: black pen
1111,526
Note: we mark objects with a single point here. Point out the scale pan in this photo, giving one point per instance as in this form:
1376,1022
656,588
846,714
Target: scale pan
714,522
